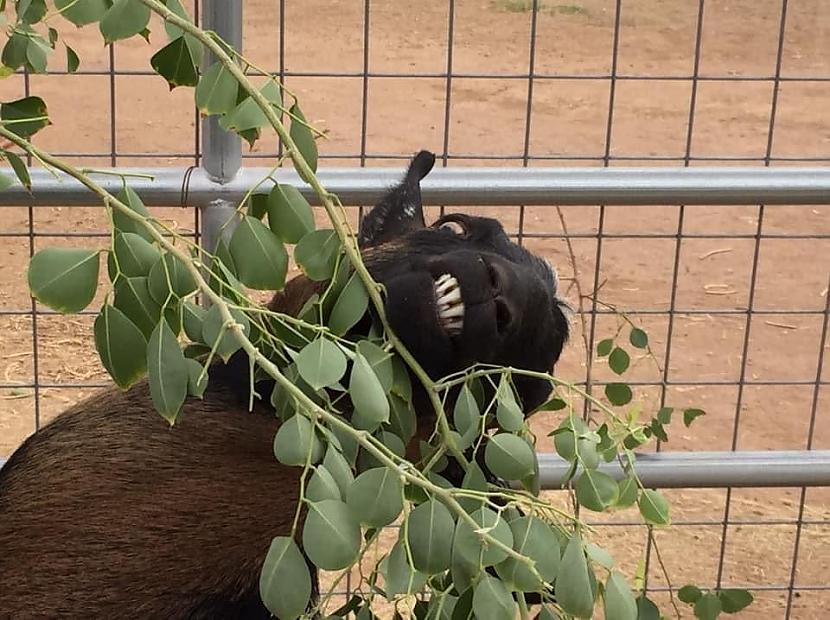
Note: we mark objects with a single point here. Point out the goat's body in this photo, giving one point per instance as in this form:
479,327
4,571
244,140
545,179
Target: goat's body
189,534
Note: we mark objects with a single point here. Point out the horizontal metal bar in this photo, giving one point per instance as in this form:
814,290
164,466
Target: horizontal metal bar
669,470
466,186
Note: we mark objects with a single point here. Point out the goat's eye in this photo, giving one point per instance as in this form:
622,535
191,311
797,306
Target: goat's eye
454,226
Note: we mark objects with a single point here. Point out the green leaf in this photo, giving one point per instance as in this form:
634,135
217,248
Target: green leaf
37,53
20,169
339,468
646,609
380,361
618,394
260,257
508,412
399,575
134,256
289,214
371,408
350,307
193,317
554,404
509,457
322,485
604,347
31,11
619,360
14,51
402,418
664,415
295,439
214,328
197,382
466,417
65,279
216,92
169,275
619,600
596,490
331,535
689,416
689,594
734,600
573,586
316,254
5,182
533,538
133,298
708,607
472,548
321,363
638,338
492,601
285,583
654,507
429,532
599,556
20,111
82,12
304,139
174,63
376,497
119,343
72,60
124,19
197,51
628,491
167,370
474,480
125,223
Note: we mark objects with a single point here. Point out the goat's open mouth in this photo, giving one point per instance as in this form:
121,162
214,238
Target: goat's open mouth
448,304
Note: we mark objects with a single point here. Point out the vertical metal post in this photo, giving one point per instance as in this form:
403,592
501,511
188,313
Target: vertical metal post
221,150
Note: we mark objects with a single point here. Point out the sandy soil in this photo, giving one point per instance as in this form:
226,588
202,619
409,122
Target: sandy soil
568,121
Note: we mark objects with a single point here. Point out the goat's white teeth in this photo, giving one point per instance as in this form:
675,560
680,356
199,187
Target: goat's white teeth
449,304
451,312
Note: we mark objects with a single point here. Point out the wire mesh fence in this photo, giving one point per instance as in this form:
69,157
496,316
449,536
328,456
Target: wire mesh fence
734,297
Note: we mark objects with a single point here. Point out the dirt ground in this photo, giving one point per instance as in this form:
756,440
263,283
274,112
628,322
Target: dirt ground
569,119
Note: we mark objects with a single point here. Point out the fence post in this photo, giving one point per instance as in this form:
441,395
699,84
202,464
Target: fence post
221,150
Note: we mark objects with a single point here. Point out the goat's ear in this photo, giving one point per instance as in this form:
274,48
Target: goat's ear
401,209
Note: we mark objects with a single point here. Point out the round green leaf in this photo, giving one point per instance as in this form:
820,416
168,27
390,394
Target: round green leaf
473,548
474,480
596,490
72,60
573,586
196,380
689,416
213,329
285,583
402,418
708,607
14,52
123,222
734,600
174,62
119,343
331,535
295,439
82,12
350,307
618,394
169,275
216,91
339,468
22,109
371,408
289,214
492,600
535,539
193,317
376,497
316,254
167,370
619,600
689,594
627,494
304,139
604,347
124,19
429,534
646,609
133,255
638,338
508,412
260,257
619,360
466,417
321,363
380,361
132,297
509,457
322,485
400,576
654,507
65,279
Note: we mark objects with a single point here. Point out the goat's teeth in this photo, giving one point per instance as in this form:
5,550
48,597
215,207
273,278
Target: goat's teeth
445,283
452,312
451,297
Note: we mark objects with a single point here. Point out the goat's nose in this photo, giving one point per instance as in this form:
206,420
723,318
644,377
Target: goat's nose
500,286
